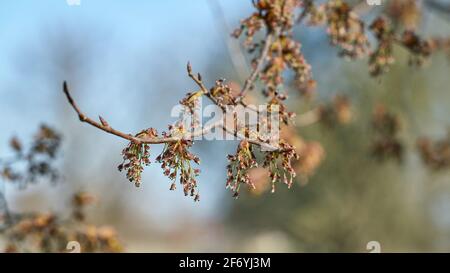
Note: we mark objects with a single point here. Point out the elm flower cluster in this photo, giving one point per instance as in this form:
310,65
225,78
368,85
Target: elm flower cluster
345,29
136,156
239,166
176,162
284,52
270,13
223,93
279,163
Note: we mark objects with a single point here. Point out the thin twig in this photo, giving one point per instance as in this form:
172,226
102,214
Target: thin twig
138,140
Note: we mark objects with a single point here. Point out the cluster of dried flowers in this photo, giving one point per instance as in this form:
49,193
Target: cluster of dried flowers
47,232
269,38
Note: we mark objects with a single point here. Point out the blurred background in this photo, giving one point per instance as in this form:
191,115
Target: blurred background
127,62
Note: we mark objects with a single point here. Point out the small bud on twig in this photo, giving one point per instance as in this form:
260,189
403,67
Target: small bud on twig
103,121
189,68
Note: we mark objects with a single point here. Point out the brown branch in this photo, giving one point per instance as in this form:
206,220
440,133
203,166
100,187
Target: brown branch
157,140
198,80
138,140
259,143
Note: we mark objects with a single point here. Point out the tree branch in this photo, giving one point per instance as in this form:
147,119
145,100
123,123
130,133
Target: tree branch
104,126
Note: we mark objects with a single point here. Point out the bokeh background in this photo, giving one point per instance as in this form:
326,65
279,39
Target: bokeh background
126,60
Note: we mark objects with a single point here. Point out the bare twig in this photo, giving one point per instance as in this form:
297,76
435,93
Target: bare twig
138,140
198,80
